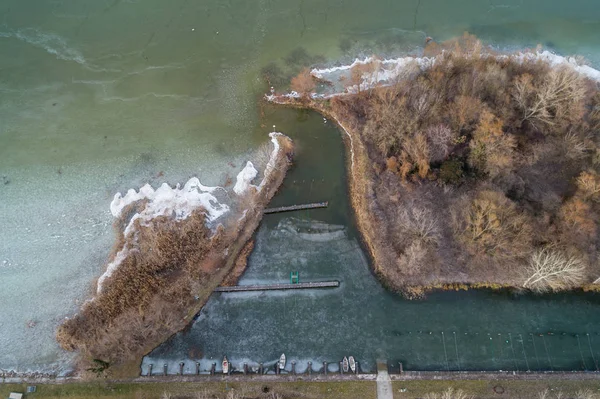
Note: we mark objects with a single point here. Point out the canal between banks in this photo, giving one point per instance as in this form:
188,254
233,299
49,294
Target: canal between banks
474,330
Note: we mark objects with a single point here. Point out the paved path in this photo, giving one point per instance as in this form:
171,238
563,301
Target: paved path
384,385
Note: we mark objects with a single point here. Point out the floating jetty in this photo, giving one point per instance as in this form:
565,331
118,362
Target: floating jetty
272,287
291,208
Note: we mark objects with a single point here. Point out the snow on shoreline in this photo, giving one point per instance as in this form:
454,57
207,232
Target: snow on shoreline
386,70
181,202
249,173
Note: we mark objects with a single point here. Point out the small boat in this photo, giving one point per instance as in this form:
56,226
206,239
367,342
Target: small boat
282,361
225,365
352,364
345,364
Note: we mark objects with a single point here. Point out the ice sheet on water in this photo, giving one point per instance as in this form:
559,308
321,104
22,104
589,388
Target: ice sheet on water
310,230
306,325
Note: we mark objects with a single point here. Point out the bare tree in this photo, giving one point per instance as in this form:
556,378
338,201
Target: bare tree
575,147
588,184
562,87
441,139
420,223
552,270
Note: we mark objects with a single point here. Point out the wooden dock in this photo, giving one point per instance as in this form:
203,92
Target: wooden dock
272,287
314,205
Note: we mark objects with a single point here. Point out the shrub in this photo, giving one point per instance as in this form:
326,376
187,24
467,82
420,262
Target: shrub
451,171
490,224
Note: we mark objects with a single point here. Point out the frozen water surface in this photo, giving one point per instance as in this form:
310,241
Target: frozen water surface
100,97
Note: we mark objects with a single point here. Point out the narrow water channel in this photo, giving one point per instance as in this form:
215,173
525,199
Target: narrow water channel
475,330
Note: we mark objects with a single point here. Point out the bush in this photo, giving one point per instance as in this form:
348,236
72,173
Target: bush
451,171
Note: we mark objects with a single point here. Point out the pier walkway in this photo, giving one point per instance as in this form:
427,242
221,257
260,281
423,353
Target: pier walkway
384,382
271,287
314,205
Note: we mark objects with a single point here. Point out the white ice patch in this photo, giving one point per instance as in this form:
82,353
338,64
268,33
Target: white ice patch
165,201
271,165
181,202
386,71
244,178
558,60
112,266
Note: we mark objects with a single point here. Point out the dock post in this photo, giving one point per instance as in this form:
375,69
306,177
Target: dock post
245,368
401,367
309,369
165,369
213,367
181,364
341,368
356,371
149,370
260,368
293,367
325,367
197,368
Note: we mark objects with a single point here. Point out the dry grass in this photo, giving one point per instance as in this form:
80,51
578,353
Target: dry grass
170,271
203,390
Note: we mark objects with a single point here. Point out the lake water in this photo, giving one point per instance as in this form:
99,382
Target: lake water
100,96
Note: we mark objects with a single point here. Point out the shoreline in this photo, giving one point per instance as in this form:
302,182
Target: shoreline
359,190
228,249
332,376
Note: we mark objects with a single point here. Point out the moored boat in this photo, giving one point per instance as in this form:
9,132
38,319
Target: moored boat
282,361
345,364
352,364
225,365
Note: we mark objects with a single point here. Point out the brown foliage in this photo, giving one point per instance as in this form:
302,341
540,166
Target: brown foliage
170,270
492,151
158,275
588,184
303,83
506,137
578,220
490,224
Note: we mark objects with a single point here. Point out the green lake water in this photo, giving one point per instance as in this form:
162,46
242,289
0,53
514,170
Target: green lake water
100,96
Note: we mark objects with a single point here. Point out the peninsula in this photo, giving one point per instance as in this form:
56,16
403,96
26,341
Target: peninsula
469,167
174,247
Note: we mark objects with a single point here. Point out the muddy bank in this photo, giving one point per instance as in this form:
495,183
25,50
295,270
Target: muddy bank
175,247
